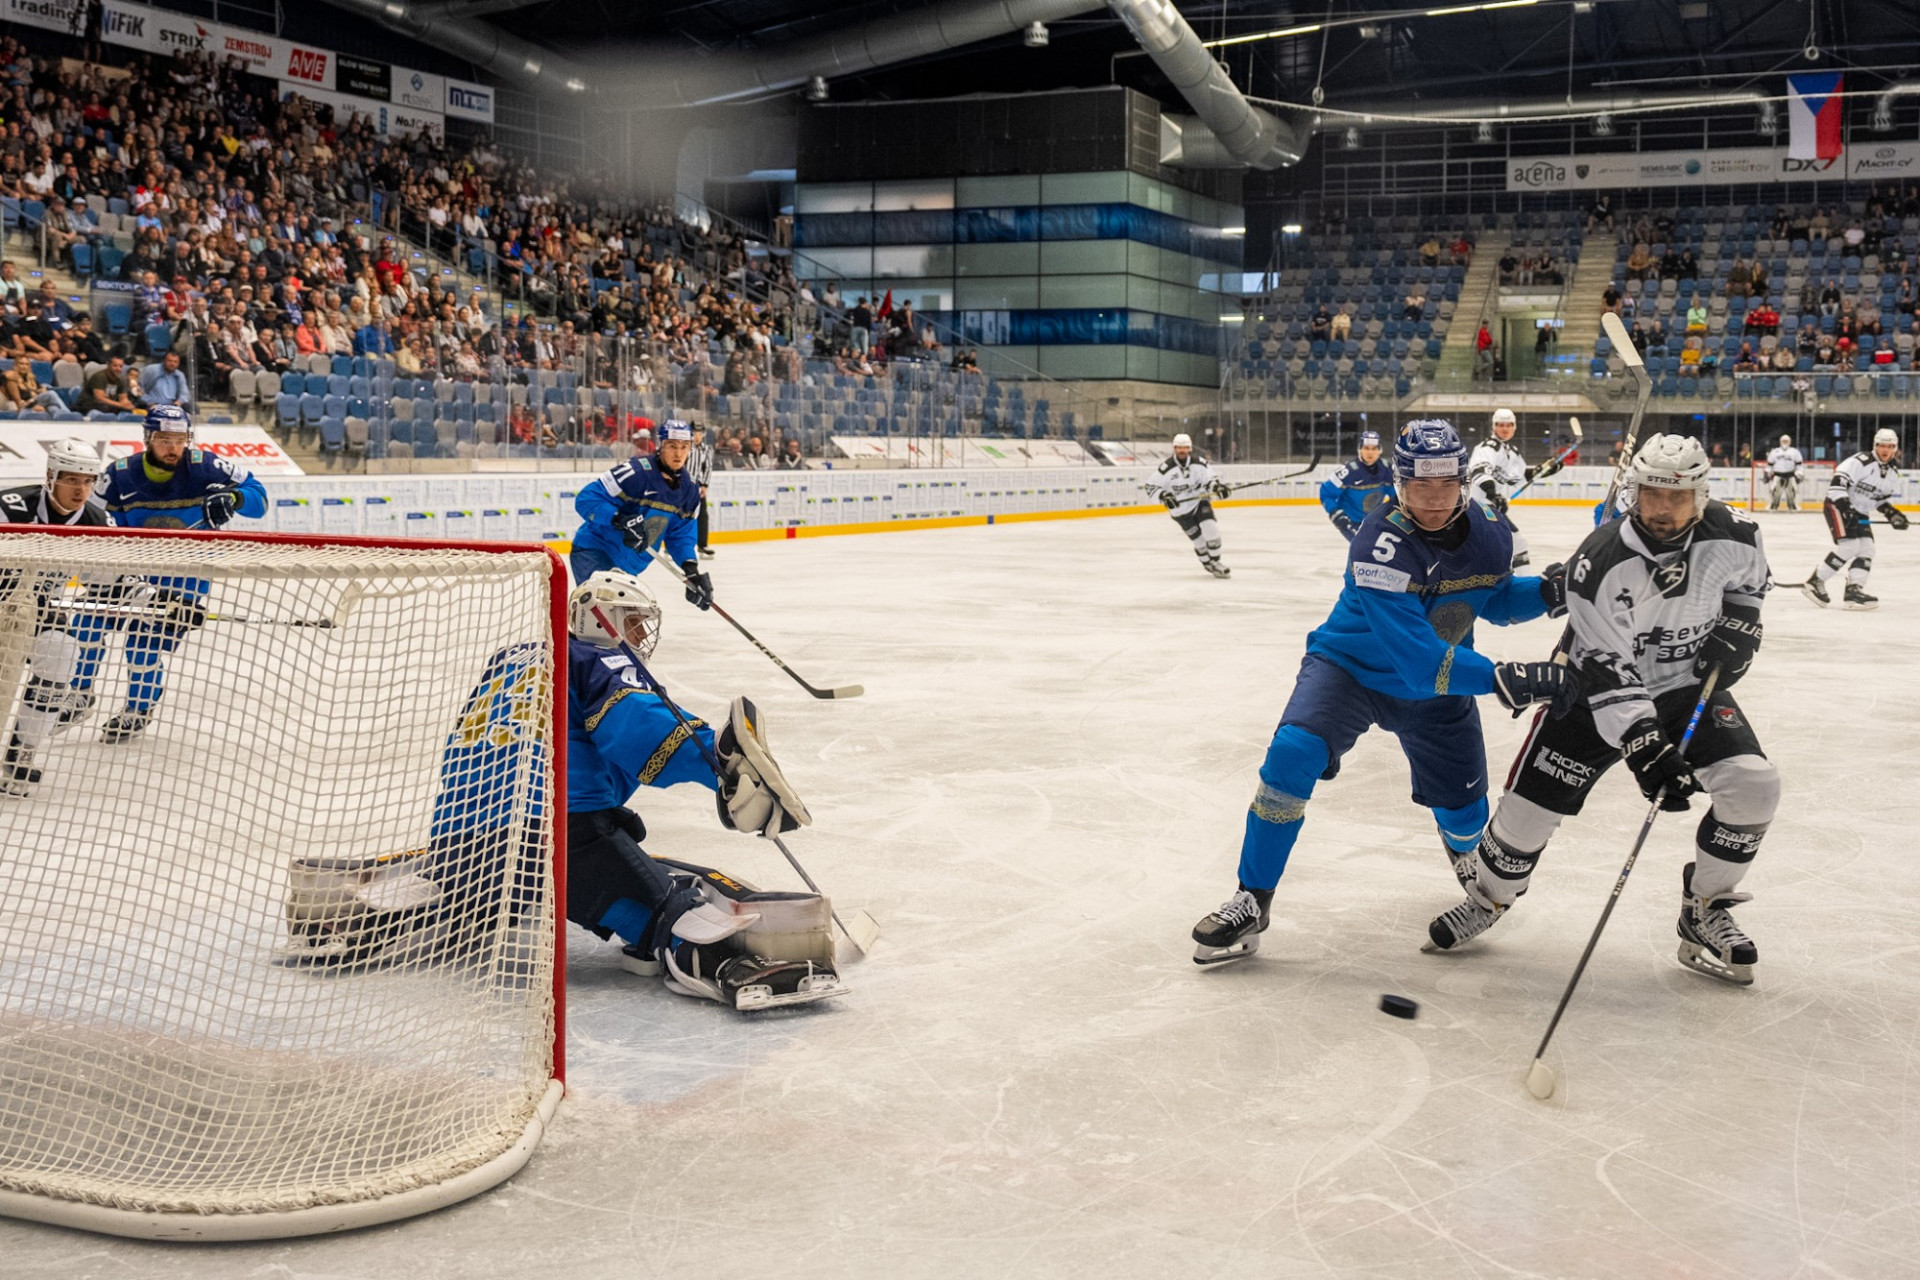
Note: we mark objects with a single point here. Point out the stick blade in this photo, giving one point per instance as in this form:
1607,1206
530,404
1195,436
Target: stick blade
1540,1080
861,930
1573,424
1616,331
841,691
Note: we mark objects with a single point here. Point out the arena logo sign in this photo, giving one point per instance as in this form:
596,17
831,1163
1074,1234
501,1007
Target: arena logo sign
1722,167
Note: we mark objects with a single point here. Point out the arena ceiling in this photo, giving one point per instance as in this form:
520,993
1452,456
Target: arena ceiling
1363,52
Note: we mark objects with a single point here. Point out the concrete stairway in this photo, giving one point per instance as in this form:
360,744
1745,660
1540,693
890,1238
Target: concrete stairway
1456,354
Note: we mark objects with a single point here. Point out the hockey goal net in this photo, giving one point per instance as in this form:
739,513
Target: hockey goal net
1809,491
286,958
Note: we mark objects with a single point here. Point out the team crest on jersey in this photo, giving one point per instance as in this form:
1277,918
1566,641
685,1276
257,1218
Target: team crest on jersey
1728,718
1452,621
1671,579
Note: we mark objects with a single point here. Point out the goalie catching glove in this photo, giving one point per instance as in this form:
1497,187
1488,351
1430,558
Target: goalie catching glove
754,796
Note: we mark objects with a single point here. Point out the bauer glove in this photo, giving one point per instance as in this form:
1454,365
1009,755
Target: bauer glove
1521,684
1895,516
1553,589
219,507
1168,501
699,585
1221,490
1344,523
1658,766
1731,644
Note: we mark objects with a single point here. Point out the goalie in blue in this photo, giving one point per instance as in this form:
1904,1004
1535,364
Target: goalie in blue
1358,488
170,484
1397,652
641,504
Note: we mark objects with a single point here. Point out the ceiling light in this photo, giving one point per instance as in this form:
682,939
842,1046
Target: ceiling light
531,66
1290,229
1483,132
1035,36
1233,231
1352,138
1603,125
1479,8
1769,122
817,89
1281,34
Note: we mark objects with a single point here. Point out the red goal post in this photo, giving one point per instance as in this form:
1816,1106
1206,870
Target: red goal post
289,960
1809,491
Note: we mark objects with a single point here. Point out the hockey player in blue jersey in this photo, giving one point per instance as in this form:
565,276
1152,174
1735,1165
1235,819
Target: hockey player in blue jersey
170,485
1352,493
622,735
1397,652
640,504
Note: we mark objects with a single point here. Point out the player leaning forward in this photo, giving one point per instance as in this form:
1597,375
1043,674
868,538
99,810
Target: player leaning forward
622,735
1184,485
170,484
1866,483
1397,652
65,649
1657,600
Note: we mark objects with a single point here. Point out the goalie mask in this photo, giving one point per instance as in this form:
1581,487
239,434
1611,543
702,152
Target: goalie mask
611,608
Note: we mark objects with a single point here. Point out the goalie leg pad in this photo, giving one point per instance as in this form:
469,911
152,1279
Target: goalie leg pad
50,702
785,926
349,911
754,794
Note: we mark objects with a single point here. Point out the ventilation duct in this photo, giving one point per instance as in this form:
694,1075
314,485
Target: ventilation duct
1229,124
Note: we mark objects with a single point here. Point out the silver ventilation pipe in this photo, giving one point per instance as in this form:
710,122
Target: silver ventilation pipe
1535,110
481,43
1232,130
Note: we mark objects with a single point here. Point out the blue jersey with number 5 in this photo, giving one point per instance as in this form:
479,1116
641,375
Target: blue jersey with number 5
666,503
1403,625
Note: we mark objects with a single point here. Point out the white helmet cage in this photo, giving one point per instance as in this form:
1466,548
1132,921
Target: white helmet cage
615,596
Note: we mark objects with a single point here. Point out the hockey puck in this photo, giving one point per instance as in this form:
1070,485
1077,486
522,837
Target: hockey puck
1399,1007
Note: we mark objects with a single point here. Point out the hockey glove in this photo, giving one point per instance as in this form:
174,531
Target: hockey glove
1495,499
1221,489
1549,467
1731,644
219,507
185,611
1895,516
1658,766
1168,501
699,585
1553,589
754,796
633,530
1344,523
1521,684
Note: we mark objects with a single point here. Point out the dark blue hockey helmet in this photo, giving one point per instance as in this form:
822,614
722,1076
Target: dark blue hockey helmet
1370,438
168,417
1429,448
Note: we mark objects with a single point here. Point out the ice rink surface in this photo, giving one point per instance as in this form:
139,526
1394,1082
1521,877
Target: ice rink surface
1040,794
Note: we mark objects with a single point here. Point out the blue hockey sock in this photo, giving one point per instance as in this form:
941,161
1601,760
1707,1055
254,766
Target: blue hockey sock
1295,760
1461,827
628,920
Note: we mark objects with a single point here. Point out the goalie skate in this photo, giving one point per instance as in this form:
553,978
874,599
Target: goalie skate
1233,931
747,982
1710,942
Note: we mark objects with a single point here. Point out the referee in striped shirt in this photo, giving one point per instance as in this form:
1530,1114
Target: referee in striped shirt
700,468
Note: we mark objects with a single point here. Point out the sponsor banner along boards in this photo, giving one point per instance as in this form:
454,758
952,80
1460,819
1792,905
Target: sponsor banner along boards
49,15
1861,161
24,443
468,101
135,26
389,120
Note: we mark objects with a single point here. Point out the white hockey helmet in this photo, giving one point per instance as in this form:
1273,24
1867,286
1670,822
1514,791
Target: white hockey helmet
1889,437
1785,441
72,457
1673,462
1503,418
1183,441
600,610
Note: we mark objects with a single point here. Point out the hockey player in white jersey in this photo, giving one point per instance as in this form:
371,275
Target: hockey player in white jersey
1495,469
1783,476
1655,602
1184,485
1863,484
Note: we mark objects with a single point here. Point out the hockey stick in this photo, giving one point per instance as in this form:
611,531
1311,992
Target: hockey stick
1554,463
838,691
1291,475
1622,341
1540,1077
157,613
869,930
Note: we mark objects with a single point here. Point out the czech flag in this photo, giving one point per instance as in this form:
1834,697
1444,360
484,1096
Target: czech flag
1813,109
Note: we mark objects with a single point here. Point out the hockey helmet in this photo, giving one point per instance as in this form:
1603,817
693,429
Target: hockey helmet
1785,441
1369,438
1888,437
675,429
1428,448
1183,441
169,418
72,457
599,610
1671,462
1504,418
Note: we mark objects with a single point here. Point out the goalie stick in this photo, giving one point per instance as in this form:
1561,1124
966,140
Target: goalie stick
838,691
1540,1077
869,930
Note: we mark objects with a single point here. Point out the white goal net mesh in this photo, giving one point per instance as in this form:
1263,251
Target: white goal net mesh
290,942
1804,494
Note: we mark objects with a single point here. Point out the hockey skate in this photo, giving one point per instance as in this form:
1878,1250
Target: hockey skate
1816,591
1710,942
18,777
1462,924
1233,931
745,981
128,724
1218,570
1857,598
640,962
